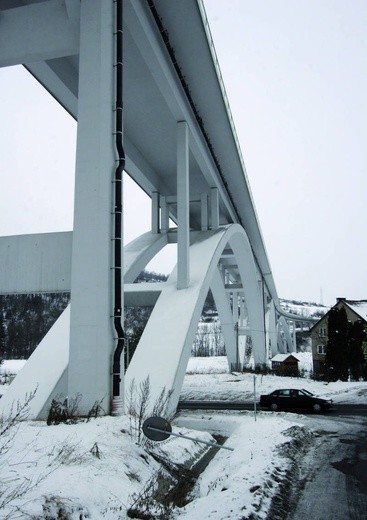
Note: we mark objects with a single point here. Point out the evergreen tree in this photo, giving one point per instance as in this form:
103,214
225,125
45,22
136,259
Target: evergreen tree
136,319
2,337
133,339
337,346
344,350
355,350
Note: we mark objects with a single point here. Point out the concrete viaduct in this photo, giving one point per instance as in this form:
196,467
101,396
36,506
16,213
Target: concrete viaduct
142,80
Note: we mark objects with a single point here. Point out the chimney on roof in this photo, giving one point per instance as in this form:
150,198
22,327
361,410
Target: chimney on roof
340,299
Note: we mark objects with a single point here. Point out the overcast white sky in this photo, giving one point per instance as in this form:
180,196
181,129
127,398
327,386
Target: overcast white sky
296,79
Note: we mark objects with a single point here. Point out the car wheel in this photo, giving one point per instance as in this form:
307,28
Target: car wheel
273,407
316,407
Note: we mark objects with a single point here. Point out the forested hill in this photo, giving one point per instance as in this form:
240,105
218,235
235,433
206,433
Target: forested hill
25,319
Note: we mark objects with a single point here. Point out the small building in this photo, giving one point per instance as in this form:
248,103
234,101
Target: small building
355,309
285,365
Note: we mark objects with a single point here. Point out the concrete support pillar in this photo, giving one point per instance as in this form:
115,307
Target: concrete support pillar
267,331
235,306
226,319
214,208
155,212
91,328
183,206
273,334
288,344
243,315
294,337
204,212
164,215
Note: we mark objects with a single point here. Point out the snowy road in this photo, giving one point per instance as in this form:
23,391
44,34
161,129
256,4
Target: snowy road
337,409
332,478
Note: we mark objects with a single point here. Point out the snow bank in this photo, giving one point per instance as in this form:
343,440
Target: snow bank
85,470
241,483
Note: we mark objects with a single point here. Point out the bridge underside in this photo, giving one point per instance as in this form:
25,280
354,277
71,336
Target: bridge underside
181,149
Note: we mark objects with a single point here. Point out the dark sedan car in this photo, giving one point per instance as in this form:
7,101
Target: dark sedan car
294,399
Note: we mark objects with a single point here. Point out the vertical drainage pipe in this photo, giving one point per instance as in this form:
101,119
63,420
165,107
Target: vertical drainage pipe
117,407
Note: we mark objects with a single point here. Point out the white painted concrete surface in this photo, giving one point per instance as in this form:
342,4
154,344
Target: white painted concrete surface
35,263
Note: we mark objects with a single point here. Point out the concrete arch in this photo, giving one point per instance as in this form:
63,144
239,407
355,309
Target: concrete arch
164,348
139,252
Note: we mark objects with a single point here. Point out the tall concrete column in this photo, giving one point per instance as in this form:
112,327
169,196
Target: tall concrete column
242,312
214,208
183,206
294,337
91,328
273,334
235,306
155,212
204,212
225,314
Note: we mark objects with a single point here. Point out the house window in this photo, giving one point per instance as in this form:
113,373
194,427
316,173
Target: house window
321,349
322,332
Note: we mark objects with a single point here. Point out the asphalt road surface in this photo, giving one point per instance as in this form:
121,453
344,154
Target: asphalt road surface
330,482
337,410
332,479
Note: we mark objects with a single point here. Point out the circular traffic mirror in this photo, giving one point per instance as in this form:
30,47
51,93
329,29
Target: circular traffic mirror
157,428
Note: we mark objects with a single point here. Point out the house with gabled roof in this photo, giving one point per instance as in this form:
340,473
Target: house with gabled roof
355,309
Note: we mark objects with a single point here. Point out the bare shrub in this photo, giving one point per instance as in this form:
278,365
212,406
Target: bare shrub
68,453
161,405
96,411
147,504
95,451
9,422
13,485
66,410
138,398
56,507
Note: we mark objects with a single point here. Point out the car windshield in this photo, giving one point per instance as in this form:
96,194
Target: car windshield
306,392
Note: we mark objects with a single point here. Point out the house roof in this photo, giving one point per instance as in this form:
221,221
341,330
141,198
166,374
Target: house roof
357,306
283,357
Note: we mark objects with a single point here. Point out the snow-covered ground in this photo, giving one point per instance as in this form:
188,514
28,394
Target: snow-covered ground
12,366
208,379
95,469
